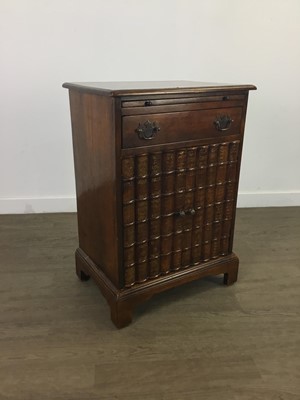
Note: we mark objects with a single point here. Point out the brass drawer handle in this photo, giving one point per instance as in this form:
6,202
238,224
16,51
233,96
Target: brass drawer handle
147,130
223,122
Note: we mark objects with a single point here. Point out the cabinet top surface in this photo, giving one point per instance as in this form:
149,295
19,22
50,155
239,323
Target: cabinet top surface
152,87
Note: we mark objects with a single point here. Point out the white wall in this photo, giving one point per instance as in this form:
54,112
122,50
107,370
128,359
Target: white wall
47,42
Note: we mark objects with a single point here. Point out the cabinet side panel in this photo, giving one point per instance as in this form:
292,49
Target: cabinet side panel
95,171
243,122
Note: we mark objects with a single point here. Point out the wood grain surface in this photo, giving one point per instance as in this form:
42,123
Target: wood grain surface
198,341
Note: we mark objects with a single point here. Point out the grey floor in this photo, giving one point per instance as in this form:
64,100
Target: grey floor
200,341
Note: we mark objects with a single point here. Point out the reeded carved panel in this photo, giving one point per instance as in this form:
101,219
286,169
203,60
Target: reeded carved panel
178,208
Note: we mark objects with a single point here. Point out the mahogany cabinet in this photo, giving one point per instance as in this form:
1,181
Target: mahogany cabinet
157,169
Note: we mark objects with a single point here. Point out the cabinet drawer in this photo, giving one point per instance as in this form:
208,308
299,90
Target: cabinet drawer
150,129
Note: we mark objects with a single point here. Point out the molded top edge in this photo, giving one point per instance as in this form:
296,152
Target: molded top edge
152,87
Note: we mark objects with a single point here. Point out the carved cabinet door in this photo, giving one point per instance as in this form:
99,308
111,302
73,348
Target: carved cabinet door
178,208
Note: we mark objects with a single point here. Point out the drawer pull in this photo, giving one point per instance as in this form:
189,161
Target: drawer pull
180,213
223,122
147,130
191,211
148,103
183,213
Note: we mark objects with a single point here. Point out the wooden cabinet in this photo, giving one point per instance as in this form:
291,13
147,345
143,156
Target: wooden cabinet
157,169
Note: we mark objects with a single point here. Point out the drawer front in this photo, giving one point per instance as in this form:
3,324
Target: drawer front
150,129
178,207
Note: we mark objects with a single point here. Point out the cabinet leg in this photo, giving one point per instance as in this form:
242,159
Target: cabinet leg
121,314
80,273
231,275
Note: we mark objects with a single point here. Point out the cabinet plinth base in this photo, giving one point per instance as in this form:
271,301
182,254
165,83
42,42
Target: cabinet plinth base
123,301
